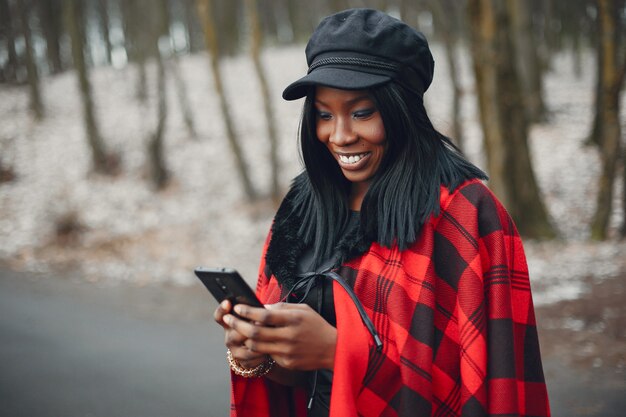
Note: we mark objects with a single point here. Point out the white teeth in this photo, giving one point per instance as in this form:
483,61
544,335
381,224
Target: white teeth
352,159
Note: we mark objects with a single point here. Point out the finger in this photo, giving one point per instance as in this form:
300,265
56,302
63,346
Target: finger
265,348
286,306
233,338
256,332
243,355
278,315
221,310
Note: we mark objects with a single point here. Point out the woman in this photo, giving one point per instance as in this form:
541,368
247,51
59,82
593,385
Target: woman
405,281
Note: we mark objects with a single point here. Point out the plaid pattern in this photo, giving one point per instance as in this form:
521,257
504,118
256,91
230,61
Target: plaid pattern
456,317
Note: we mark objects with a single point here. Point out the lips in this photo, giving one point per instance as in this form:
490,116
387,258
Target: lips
352,162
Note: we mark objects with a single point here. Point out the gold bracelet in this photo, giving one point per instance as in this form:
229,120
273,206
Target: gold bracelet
259,370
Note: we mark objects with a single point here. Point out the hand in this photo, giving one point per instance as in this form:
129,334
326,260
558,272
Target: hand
235,341
294,335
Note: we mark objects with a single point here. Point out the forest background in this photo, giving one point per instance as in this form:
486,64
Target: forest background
139,139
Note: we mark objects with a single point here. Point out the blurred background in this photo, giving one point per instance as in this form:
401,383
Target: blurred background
139,139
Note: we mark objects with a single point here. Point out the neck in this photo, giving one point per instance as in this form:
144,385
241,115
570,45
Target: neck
357,193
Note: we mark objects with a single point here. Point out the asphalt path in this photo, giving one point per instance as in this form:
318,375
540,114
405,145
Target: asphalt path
72,348
69,348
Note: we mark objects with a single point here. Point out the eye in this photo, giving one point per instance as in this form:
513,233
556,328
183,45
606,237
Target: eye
363,114
322,115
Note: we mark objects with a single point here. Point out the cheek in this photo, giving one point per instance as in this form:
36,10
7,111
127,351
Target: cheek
380,152
322,133
376,132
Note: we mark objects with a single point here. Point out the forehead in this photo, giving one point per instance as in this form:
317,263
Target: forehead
329,95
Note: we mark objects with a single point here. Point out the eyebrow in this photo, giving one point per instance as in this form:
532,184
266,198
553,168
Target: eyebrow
349,102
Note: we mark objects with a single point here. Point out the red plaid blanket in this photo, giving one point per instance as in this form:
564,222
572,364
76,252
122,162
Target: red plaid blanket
455,315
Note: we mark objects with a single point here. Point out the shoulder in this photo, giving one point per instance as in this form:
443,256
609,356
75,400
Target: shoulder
474,207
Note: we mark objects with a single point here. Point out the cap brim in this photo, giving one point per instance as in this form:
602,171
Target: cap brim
342,78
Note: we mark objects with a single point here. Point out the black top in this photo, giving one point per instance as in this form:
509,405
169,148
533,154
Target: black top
320,297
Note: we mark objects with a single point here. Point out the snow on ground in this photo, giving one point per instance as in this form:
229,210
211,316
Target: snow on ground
129,233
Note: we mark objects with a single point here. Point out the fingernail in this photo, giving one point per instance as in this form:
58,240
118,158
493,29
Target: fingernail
224,304
237,309
227,319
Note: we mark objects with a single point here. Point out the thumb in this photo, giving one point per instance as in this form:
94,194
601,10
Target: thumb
279,306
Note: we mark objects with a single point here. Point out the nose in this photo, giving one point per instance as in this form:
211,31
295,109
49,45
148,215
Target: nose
343,134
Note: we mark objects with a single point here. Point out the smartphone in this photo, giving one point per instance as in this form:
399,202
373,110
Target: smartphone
227,284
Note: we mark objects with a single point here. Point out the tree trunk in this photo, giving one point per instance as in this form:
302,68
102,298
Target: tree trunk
227,34
623,228
103,12
543,41
404,10
446,15
183,97
158,169
611,80
256,35
596,135
74,20
36,105
50,12
505,127
577,55
205,10
526,59
7,31
135,14
301,23
267,18
285,32
126,16
191,24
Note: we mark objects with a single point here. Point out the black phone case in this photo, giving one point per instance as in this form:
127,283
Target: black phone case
227,284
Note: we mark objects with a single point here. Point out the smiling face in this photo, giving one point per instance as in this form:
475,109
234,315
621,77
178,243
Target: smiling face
351,127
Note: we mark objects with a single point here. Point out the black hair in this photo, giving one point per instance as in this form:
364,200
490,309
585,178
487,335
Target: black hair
404,191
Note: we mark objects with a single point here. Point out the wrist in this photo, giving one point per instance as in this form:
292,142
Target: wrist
257,371
329,359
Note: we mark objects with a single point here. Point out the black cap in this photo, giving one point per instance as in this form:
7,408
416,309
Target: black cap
361,48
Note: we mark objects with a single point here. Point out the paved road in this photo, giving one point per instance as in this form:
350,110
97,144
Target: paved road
70,348
74,349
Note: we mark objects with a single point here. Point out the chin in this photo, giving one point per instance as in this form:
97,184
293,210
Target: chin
356,177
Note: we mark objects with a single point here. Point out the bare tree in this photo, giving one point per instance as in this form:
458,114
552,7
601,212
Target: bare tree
446,14
36,104
183,98
505,127
227,33
256,35
527,60
205,10
596,134
158,28
103,18
191,24
137,41
50,13
103,163
611,78
7,32
173,67
301,20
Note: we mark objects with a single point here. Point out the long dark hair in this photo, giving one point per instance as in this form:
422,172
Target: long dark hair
405,190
